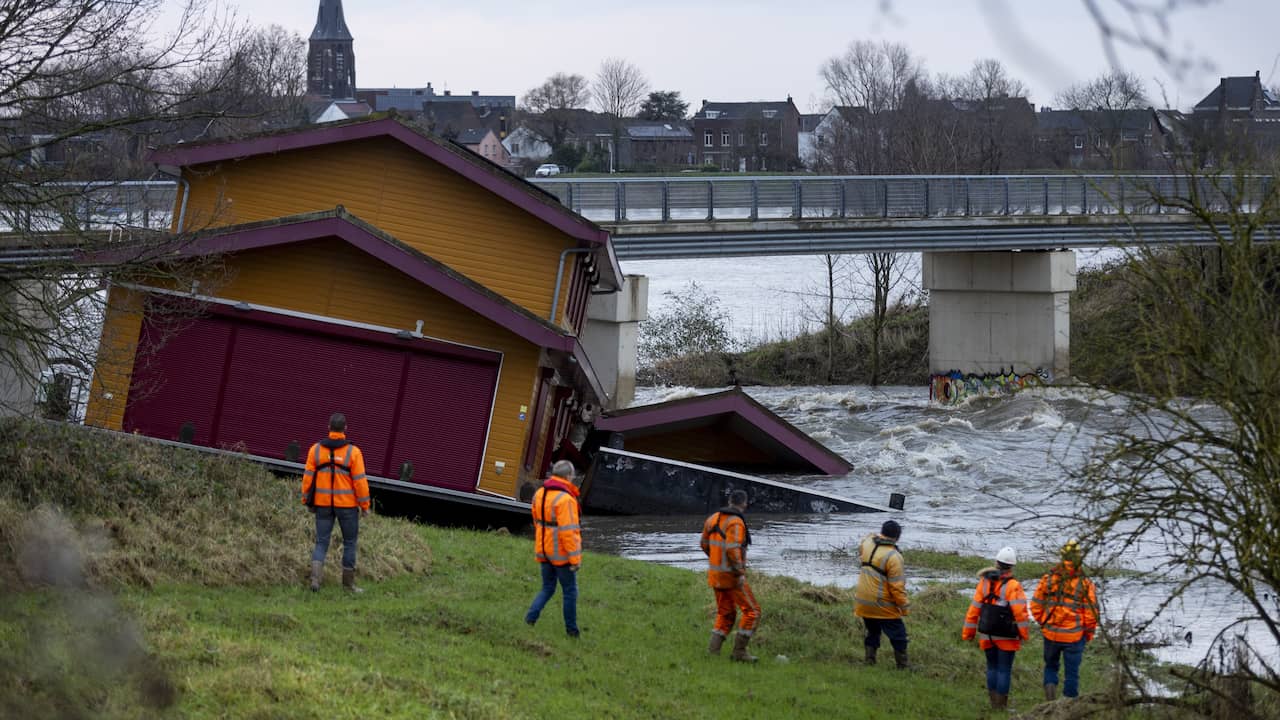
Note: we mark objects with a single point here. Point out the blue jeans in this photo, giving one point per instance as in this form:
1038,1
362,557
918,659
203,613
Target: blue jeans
349,520
999,669
569,581
894,629
1071,654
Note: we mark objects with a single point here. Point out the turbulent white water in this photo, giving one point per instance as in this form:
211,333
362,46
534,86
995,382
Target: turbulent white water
972,476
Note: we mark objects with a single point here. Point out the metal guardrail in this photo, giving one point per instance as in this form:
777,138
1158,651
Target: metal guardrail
624,201
85,206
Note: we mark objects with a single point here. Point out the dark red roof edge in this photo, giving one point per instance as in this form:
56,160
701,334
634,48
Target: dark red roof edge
733,401
506,186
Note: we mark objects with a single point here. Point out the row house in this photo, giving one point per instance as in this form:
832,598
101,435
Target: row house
1098,139
748,136
1239,112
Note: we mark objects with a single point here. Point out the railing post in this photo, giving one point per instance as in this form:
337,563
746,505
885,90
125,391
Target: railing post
711,201
1084,196
755,200
968,210
844,197
884,187
798,193
1006,196
926,197
666,201
1046,194
619,201
568,197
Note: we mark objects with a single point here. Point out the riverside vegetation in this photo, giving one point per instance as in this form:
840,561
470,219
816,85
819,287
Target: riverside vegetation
142,580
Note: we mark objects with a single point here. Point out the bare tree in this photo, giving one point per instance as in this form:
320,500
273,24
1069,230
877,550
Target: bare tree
549,106
1108,104
1193,482
1000,122
85,87
619,88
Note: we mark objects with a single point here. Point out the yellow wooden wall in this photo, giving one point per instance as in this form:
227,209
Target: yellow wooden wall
109,389
395,188
333,279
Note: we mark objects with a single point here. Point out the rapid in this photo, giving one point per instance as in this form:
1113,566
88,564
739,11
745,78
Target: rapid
974,477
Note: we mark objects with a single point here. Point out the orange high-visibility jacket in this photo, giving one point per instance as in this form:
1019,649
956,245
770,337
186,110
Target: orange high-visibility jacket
1007,590
1066,605
557,532
724,541
882,585
335,468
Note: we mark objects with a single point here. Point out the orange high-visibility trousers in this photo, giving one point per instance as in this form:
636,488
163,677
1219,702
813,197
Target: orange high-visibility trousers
727,604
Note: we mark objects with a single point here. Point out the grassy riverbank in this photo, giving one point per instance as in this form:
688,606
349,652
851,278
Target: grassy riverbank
211,619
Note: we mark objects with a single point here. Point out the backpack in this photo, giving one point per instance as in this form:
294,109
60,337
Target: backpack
995,619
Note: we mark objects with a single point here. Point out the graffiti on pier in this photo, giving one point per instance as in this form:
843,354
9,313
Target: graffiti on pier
954,386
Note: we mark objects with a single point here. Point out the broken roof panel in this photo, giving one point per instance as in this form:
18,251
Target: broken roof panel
724,429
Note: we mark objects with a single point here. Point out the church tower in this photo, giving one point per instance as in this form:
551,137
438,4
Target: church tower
331,63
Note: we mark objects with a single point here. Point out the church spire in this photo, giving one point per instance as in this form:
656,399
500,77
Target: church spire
330,25
331,61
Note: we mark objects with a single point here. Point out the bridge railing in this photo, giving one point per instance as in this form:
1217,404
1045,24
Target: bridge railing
84,206
640,200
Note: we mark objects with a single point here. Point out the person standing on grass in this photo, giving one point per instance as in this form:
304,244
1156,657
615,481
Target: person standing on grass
1066,606
998,617
557,543
335,489
724,541
880,598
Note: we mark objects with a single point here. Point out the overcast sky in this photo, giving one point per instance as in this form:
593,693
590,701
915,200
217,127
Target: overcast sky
732,50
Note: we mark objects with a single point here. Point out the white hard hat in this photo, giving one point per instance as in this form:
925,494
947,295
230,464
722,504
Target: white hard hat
1007,555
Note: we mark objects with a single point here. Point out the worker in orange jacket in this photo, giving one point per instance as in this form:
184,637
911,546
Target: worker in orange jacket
1066,606
880,597
998,617
724,541
335,489
557,543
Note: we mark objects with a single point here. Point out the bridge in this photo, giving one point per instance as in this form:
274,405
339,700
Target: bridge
690,217
997,251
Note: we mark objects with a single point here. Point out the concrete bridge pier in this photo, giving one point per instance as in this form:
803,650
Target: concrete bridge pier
613,325
24,303
998,321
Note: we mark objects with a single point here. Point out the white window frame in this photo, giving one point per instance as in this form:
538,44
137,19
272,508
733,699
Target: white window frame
764,139
725,138
708,138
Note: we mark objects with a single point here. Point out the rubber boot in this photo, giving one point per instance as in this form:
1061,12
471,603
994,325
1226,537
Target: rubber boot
740,654
1002,702
994,698
871,655
1050,692
317,574
717,640
349,580
900,657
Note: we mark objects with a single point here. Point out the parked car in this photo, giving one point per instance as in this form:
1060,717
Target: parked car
546,170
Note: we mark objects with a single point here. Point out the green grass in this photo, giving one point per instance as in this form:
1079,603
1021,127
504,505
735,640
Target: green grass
453,644
179,593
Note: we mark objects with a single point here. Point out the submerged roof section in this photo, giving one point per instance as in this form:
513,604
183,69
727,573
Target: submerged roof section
789,447
502,183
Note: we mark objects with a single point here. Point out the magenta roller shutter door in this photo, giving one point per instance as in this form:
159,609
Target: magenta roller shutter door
260,382
446,407
176,376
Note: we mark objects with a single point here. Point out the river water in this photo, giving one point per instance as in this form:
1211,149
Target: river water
972,476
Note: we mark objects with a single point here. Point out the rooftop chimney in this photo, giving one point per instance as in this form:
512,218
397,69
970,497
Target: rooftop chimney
448,93
475,93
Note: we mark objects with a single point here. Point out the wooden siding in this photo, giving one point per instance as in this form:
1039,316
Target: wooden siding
411,197
715,444
117,353
332,279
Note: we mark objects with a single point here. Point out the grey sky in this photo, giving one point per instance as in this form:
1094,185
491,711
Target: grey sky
757,49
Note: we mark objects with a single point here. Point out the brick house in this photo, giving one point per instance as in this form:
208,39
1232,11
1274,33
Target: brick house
748,136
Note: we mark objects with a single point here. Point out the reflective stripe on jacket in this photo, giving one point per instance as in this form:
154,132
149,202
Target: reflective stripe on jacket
724,541
1065,605
337,474
557,532
881,592
1007,590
